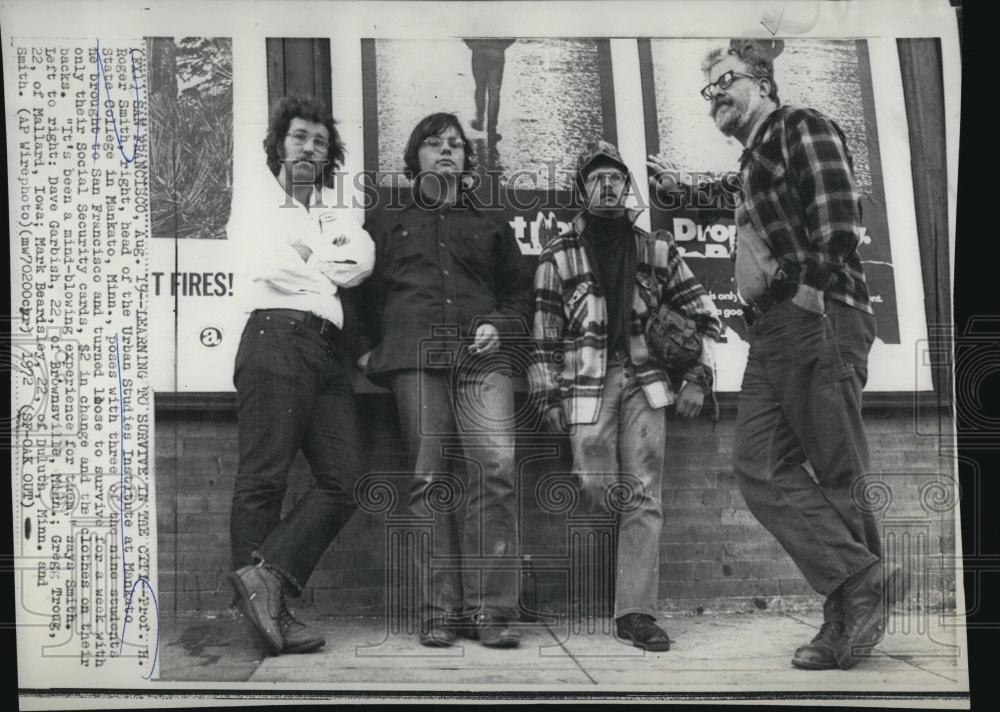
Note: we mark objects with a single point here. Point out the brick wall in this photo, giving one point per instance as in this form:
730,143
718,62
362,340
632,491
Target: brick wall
714,556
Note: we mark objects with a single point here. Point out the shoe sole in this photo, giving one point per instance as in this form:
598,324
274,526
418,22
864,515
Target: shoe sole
814,666
503,643
659,648
435,643
253,623
311,648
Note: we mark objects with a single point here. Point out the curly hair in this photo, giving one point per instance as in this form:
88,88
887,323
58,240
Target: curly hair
308,109
433,125
758,61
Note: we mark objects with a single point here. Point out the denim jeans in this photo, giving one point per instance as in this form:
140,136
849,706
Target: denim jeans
471,565
619,463
293,392
800,441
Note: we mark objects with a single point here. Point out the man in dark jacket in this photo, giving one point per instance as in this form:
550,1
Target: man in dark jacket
448,286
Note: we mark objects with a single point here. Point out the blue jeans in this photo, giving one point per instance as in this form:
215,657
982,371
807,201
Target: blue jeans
800,441
619,463
293,392
471,564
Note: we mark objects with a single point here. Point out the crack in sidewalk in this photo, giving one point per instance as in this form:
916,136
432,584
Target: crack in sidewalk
571,656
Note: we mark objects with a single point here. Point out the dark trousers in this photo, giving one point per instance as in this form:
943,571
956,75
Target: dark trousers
487,70
293,392
460,435
800,442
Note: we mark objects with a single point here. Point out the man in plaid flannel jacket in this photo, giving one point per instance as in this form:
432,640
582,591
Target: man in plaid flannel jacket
595,288
800,442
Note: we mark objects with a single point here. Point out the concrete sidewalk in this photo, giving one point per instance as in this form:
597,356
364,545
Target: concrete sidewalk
722,654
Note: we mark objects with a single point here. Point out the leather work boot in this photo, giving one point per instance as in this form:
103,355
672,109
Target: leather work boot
436,633
299,638
642,632
259,597
494,632
864,615
818,654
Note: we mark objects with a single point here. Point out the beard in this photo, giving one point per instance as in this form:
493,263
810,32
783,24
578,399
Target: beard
304,172
727,117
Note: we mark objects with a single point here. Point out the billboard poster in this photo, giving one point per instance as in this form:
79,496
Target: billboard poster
141,203
528,105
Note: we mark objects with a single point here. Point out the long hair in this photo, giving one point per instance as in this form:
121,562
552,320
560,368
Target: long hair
433,125
309,109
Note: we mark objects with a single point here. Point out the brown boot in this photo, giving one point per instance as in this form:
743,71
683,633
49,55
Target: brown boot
494,631
299,638
436,633
260,598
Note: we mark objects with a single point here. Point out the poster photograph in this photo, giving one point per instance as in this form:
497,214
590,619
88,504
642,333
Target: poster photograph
484,351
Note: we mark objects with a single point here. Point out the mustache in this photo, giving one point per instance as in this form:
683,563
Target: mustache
718,104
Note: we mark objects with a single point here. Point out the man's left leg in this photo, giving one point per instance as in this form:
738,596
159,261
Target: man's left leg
866,597
484,411
480,72
494,83
332,448
637,502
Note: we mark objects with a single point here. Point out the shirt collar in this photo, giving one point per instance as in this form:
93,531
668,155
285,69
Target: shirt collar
314,196
755,137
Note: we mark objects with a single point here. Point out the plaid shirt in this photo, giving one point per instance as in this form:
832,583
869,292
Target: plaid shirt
799,194
570,324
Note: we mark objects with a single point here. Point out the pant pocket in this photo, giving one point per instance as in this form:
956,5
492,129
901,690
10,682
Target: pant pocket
837,450
837,372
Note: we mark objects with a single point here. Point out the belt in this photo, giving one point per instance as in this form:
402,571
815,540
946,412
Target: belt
778,292
327,329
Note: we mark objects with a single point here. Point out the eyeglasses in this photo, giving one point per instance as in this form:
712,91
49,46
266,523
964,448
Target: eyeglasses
723,82
454,143
613,177
300,138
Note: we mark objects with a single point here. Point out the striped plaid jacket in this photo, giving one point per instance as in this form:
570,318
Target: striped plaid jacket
570,322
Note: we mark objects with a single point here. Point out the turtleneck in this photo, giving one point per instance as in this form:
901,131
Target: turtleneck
609,241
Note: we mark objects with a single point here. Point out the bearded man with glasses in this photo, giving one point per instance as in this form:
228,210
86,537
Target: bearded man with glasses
800,444
293,368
